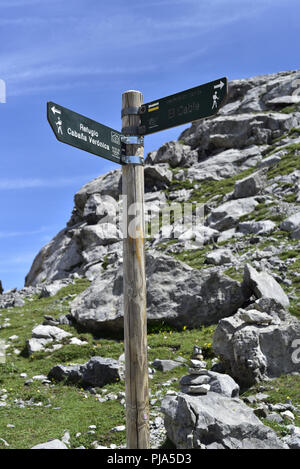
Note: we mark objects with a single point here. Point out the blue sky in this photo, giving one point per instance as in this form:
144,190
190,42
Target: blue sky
83,54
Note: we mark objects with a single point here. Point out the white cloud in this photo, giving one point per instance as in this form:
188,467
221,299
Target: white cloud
78,40
14,234
23,3
36,183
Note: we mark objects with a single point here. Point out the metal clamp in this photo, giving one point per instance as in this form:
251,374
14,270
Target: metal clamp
130,111
132,140
132,159
131,130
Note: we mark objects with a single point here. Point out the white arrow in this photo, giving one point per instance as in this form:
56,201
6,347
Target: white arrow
55,111
220,85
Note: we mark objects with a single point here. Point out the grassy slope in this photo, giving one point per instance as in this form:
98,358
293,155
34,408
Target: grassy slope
74,409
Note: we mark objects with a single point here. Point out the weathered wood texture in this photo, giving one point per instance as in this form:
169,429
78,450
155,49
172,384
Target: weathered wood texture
135,319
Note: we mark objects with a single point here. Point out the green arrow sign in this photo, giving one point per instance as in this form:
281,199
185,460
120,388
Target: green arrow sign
86,134
186,106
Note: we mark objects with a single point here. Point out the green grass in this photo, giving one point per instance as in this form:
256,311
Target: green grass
209,189
289,162
290,109
280,390
194,258
73,408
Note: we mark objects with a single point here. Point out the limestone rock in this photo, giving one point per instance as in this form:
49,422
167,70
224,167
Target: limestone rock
99,207
199,297
292,223
108,184
227,215
36,345
220,257
238,131
269,161
256,227
173,153
263,285
214,419
49,332
165,365
54,287
57,260
96,372
250,186
157,177
53,444
254,351
219,383
256,317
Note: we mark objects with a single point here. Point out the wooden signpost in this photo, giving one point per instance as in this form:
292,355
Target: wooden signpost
127,149
135,318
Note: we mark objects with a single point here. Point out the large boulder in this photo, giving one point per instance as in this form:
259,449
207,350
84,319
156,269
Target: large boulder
238,130
96,372
263,285
292,223
218,382
58,259
108,184
53,288
157,177
220,257
250,186
224,164
176,293
43,335
258,343
227,215
256,227
217,422
173,153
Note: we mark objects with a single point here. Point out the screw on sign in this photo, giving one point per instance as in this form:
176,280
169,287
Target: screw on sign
127,148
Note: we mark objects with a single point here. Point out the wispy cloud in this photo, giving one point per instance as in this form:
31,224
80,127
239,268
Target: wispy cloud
39,183
54,71
76,41
26,21
14,234
23,3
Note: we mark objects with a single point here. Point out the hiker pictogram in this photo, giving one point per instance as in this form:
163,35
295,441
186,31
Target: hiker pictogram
215,100
59,126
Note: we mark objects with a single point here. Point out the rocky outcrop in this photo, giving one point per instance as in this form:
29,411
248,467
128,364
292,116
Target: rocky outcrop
258,343
97,372
44,335
238,131
250,186
199,297
214,421
263,285
227,215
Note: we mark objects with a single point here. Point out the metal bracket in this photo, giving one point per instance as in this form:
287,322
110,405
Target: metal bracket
131,130
132,159
130,111
132,140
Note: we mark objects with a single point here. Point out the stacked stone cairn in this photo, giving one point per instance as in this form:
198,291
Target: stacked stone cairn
197,381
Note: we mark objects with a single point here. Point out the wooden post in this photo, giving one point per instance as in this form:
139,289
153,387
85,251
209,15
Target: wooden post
135,319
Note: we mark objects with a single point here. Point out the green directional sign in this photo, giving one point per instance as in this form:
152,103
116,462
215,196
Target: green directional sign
186,106
84,133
